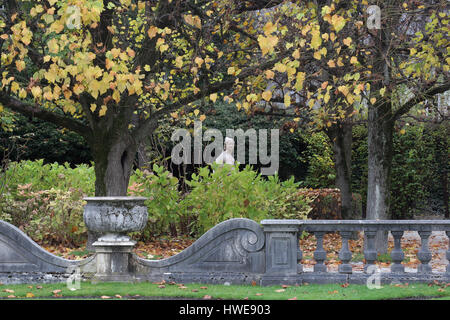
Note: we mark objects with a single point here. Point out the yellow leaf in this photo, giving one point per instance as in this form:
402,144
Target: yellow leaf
29,295
347,41
317,55
199,61
354,60
213,97
53,46
179,62
280,67
93,107
267,95
373,100
344,90
267,44
316,40
299,81
36,91
338,22
174,115
287,100
269,74
202,117
20,65
102,111
152,31
269,28
196,112
403,131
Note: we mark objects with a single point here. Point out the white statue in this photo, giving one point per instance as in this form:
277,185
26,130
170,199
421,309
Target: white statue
226,157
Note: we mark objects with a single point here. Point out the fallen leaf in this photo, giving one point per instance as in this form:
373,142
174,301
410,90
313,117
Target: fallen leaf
285,286
29,295
182,287
11,296
203,288
38,287
8,290
294,298
258,294
280,290
333,292
206,297
118,296
161,286
105,297
194,290
56,291
345,285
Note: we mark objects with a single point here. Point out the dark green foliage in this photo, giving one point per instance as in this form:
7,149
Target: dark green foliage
38,139
417,168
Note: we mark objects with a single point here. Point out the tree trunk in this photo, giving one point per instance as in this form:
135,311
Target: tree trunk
341,137
113,158
380,145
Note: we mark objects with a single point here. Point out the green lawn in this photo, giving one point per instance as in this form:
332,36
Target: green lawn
305,292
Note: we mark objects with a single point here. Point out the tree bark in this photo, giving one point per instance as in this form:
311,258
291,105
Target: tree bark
380,145
114,156
341,137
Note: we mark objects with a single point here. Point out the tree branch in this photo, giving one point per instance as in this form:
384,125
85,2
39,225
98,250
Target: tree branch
34,111
427,94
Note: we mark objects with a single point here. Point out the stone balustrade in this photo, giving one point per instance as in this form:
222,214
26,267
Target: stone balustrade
274,230
236,251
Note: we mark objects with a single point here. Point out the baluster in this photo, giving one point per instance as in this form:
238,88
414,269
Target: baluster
345,254
397,254
448,252
299,255
370,254
424,253
320,255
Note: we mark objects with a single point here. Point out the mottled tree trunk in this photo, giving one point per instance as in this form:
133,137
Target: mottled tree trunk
341,137
113,157
380,145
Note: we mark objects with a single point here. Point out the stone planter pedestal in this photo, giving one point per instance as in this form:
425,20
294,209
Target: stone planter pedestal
114,217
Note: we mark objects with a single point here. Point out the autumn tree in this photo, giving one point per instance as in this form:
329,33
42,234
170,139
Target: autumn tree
345,66
109,70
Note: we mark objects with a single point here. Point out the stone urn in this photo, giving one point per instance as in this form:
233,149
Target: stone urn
114,217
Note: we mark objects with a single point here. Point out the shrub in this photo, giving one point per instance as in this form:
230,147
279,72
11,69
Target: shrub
49,216
319,156
47,176
161,189
218,194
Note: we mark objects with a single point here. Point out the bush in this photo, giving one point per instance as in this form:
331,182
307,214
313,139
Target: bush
48,216
161,189
42,176
224,193
319,155
45,201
